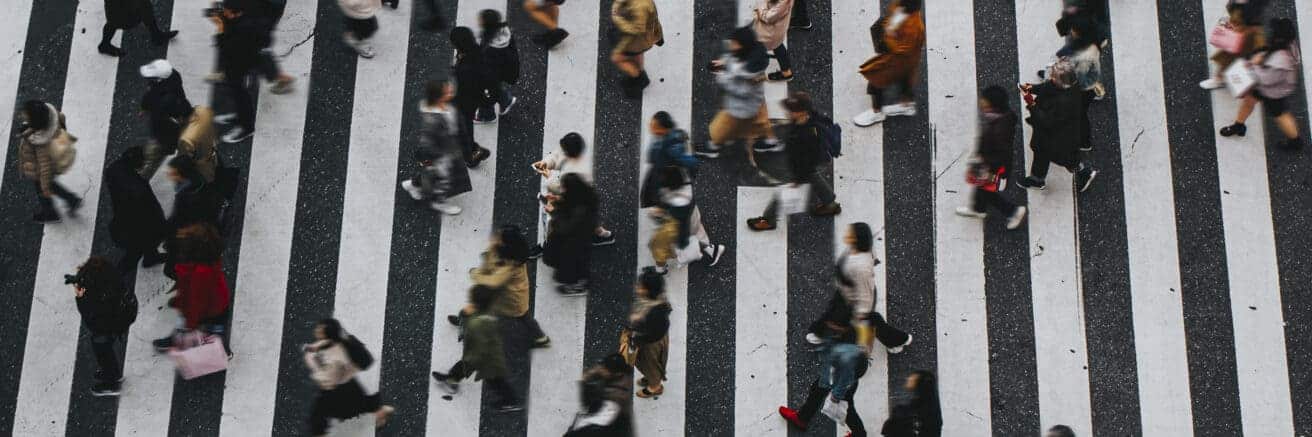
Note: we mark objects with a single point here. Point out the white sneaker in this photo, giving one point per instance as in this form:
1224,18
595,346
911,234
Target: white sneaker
900,110
445,208
414,191
225,118
868,118
1016,218
813,339
966,211
1211,84
237,135
898,349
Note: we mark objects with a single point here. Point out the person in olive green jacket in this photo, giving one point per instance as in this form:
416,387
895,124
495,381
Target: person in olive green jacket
505,270
638,28
483,354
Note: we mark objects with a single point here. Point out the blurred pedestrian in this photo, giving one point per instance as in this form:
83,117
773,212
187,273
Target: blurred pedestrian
442,174
203,297
137,222
638,28
504,269
771,22
126,14
987,171
360,24
648,331
740,73
899,38
921,415
45,151
483,354
1276,69
107,309
570,233
806,151
502,58
546,13
334,358
1059,116
473,81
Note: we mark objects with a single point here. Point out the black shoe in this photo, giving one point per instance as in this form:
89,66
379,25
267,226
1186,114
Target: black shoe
707,150
1032,183
631,87
46,217
510,408
598,240
480,154
1085,178
100,377
551,38
1234,129
1042,74
778,76
573,290
643,80
541,342
102,389
73,206
800,25
445,384
535,252
453,319
1292,144
109,49
163,344
713,256
163,37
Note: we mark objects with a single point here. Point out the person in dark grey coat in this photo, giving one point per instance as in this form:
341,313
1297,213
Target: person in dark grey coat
442,174
138,224
126,14
1058,115
107,308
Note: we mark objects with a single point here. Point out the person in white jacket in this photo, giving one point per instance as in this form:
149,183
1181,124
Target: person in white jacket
360,24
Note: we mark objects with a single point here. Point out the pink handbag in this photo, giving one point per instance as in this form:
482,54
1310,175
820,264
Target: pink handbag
1226,38
198,354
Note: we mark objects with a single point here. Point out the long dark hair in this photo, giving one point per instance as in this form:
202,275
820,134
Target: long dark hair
865,240
924,397
100,279
752,53
491,23
38,114
512,247
332,329
462,38
1283,33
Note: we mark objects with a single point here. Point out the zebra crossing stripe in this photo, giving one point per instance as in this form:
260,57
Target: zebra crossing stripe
761,344
1292,245
13,38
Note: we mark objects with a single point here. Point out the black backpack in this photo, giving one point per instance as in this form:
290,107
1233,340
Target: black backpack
831,134
358,353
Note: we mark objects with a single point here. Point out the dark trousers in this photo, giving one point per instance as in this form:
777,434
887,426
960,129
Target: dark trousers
132,255
345,401
820,191
981,200
799,17
147,16
505,393
888,335
569,258
46,205
781,55
103,346
362,29
816,397
242,102
466,135
1039,168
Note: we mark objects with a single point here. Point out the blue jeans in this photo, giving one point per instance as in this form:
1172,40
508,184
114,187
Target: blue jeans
838,368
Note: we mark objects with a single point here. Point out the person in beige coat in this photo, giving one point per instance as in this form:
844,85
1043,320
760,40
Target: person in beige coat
333,359
771,25
45,150
504,268
638,28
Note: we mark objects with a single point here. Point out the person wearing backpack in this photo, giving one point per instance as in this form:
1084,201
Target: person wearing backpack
1276,69
806,148
45,151
107,308
334,359
502,58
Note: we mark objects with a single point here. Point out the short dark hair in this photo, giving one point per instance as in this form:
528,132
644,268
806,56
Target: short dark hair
481,296
798,102
996,96
462,38
513,247
652,281
99,277
332,329
910,5
663,119
865,240
1061,431
572,144
435,89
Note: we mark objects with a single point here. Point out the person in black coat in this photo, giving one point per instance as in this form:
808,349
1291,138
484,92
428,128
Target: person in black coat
474,80
502,59
195,201
168,110
1058,115
988,169
107,308
921,415
806,151
240,41
138,224
568,245
600,416
126,14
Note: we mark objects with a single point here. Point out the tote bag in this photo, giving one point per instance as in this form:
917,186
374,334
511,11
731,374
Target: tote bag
792,198
1239,78
1226,38
198,354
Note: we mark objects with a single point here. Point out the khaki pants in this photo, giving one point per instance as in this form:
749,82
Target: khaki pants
652,358
726,128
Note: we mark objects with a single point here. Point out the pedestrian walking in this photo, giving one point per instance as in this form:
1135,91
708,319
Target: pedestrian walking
137,224
899,39
360,24
740,73
1059,116
547,14
107,309
502,58
806,151
921,414
504,269
646,342
771,22
45,151
167,109
482,354
854,281
334,359
127,14
987,171
203,297
241,39
1276,69
638,29
473,80
442,174
843,363
600,414
570,233
555,166
1094,12
1248,24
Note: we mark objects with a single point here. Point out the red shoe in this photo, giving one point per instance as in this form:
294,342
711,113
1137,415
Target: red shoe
790,415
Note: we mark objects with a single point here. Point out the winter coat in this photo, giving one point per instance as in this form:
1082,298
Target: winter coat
510,277
138,220
1087,65
166,103
501,55
440,133
125,14
804,149
742,81
108,311
1058,117
483,351
330,364
669,150
997,135
638,24
203,292
360,9
197,202
653,320
240,44
198,139
37,159
474,78
905,43
570,231
1277,75
771,23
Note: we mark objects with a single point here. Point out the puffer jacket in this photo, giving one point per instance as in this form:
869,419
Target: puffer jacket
35,158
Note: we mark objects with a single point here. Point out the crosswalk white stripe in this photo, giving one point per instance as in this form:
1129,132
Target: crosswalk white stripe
859,176
761,320
1256,310
1063,375
463,237
369,200
147,394
962,322
774,91
1150,223
261,285
670,66
571,97
53,325
12,40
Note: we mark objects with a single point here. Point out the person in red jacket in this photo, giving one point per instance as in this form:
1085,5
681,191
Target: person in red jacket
203,298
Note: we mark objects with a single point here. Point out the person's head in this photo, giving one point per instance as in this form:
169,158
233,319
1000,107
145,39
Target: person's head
490,19
98,277
463,40
35,114
1062,74
910,6
481,297
993,99
1060,431
1281,33
572,144
922,384
741,41
439,91
198,243
182,168
328,329
799,106
510,244
859,237
651,284
233,8
661,123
